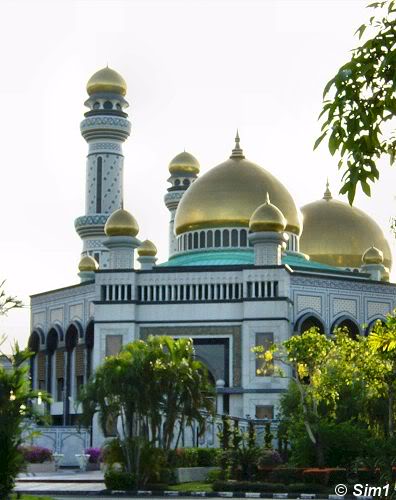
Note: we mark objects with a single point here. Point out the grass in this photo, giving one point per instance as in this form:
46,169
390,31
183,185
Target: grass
30,497
193,486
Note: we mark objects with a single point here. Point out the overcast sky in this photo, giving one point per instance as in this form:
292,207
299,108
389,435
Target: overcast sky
196,70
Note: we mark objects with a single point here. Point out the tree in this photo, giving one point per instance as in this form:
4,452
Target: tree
17,405
152,388
359,118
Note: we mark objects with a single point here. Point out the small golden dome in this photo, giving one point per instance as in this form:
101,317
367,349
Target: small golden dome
106,80
337,234
121,223
147,249
184,163
228,194
267,217
373,256
88,264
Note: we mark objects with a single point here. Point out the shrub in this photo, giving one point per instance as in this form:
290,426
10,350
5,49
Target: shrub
119,480
337,476
316,476
269,457
241,486
207,457
286,475
36,454
214,475
95,455
306,488
112,452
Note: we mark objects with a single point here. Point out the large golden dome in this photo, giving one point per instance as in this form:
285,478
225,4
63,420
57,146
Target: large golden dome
228,195
106,80
337,234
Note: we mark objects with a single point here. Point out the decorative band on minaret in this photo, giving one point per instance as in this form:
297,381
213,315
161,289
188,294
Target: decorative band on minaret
105,128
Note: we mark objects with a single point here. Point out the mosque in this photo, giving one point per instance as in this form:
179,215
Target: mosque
246,267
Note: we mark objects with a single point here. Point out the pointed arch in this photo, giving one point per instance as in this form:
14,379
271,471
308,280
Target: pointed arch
347,322
307,321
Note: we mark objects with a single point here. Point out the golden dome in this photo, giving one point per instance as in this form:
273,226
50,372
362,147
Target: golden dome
121,223
373,256
228,195
337,234
106,80
184,163
147,249
87,264
267,217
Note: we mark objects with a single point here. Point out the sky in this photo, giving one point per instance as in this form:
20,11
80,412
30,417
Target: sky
196,71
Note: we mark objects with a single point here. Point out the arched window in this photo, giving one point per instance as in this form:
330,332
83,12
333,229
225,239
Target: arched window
234,238
96,105
89,344
350,325
177,182
243,237
195,240
34,346
190,241
209,239
308,322
226,238
185,242
186,182
52,344
202,239
108,105
217,238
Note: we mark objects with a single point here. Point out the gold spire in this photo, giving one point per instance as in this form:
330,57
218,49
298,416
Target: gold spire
237,152
327,194
267,217
147,249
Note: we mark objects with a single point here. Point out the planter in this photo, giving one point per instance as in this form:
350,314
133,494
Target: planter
190,474
82,459
44,467
93,466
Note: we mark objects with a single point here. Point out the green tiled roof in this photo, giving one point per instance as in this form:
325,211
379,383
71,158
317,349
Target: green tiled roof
236,257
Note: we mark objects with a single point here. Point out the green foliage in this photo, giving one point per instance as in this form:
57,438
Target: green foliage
343,444
241,486
268,436
153,388
193,457
358,117
214,475
120,480
112,452
17,407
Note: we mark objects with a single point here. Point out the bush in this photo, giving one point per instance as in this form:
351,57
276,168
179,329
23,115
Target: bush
207,457
241,486
316,476
306,488
286,475
269,457
214,475
36,454
343,443
95,455
119,480
112,452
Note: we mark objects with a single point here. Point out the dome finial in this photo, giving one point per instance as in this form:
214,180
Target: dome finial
237,152
327,193
267,199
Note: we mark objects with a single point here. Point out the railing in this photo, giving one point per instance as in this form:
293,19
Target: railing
190,292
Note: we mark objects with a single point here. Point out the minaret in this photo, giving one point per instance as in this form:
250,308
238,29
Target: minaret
184,169
105,128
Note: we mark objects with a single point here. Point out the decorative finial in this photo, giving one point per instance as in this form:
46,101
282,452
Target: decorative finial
267,199
327,194
237,152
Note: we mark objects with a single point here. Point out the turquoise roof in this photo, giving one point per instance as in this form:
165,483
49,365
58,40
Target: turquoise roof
236,257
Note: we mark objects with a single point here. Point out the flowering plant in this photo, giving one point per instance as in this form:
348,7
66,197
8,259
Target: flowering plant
36,454
95,455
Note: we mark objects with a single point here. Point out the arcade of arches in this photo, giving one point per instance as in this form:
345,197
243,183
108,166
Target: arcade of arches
61,365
